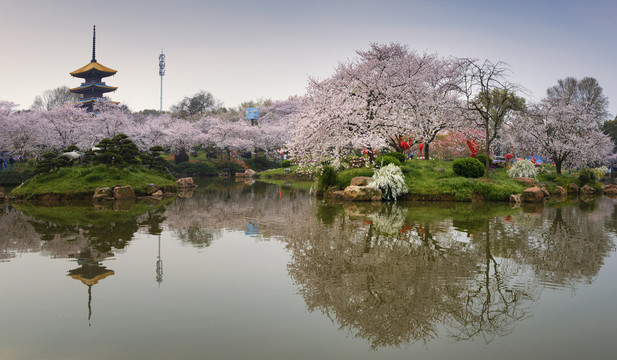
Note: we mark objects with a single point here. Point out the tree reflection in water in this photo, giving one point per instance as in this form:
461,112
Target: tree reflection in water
393,275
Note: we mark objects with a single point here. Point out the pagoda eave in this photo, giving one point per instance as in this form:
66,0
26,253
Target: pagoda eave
91,100
93,68
90,88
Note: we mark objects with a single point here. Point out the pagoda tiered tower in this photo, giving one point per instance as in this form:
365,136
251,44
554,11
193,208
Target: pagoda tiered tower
93,87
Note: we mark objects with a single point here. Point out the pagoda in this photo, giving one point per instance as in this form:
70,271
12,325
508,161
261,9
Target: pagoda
93,87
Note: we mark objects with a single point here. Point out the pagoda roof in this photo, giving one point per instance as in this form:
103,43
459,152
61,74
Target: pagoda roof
87,87
93,99
93,67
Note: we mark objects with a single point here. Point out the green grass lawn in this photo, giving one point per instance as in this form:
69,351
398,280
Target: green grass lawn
436,177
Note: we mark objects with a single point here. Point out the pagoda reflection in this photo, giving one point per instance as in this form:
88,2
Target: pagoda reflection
90,272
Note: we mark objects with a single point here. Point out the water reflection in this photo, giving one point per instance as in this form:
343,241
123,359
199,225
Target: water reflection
391,274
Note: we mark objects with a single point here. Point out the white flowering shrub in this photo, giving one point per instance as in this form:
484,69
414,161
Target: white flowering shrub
390,180
522,168
601,172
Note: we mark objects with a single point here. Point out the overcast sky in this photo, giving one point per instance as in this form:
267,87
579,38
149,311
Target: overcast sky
242,50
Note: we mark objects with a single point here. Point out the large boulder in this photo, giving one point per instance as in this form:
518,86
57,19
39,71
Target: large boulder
560,191
362,193
102,194
587,190
360,181
533,195
610,190
153,188
249,173
336,195
526,180
123,192
573,188
186,182
515,199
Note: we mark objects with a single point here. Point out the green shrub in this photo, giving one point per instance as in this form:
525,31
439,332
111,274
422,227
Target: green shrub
197,168
468,167
260,163
522,168
286,163
586,176
385,160
482,159
396,155
327,177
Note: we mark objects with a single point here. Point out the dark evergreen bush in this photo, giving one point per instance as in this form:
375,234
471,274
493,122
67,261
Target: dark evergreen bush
482,159
586,176
197,169
286,163
397,155
327,178
468,167
386,160
260,163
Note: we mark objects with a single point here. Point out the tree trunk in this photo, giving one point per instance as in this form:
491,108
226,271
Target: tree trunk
558,166
488,146
426,146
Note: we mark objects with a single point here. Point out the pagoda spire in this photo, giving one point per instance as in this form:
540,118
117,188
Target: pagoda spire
93,44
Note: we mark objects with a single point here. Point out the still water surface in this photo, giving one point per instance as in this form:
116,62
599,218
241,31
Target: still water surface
238,271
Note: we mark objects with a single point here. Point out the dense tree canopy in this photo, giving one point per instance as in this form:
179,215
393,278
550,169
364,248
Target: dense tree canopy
388,91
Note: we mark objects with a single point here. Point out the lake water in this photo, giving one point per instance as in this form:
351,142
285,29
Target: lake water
239,271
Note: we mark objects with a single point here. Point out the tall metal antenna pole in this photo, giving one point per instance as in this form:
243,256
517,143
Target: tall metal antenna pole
161,73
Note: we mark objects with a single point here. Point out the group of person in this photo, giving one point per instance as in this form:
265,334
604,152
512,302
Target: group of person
7,162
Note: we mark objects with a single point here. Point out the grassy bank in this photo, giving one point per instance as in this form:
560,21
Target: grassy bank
435,180
82,181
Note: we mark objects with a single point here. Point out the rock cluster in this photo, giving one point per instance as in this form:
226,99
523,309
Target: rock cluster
358,190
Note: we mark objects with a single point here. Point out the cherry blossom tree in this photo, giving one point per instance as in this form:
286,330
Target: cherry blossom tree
567,132
152,130
111,120
388,92
65,125
431,104
20,131
276,126
184,134
353,108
